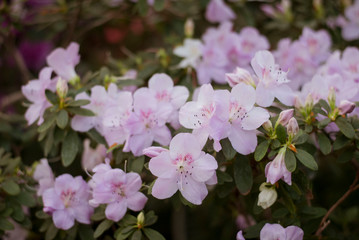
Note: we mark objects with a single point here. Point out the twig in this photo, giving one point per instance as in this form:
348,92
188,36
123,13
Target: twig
324,223
10,99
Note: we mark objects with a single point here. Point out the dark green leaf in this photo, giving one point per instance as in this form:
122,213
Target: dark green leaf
324,105
27,199
49,122
62,119
42,215
253,231
227,149
81,111
300,138
69,148
51,97
150,218
313,212
129,82
243,174
281,133
5,224
340,142
306,159
280,213
85,232
345,156
323,123
18,214
102,227
290,161
324,144
136,165
153,234
94,135
261,150
78,103
159,5
125,232
223,177
49,142
308,128
10,187
51,232
137,235
345,127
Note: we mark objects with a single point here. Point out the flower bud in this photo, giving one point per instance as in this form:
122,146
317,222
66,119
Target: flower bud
267,126
267,196
140,220
61,87
331,97
189,28
292,127
346,107
153,151
240,75
284,117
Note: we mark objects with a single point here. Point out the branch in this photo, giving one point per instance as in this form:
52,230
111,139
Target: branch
324,223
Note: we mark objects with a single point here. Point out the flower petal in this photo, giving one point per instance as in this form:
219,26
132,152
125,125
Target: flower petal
137,201
63,219
115,211
193,191
243,141
255,118
164,188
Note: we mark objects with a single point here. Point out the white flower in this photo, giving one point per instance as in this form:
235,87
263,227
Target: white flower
191,51
267,196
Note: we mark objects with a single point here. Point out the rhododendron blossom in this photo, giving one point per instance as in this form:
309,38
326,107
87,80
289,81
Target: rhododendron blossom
44,176
67,201
277,232
218,11
276,169
184,167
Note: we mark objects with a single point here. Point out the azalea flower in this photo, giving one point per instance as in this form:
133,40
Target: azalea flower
218,11
184,167
44,176
191,51
67,201
277,232
276,169
92,157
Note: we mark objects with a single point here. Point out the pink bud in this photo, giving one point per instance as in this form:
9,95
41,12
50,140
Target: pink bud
284,117
346,106
153,151
292,127
267,126
239,75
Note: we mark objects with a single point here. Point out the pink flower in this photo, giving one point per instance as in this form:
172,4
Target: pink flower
240,75
276,169
318,44
117,189
147,123
350,29
67,201
63,61
34,91
185,168
240,236
153,151
218,11
44,176
277,232
272,81
92,157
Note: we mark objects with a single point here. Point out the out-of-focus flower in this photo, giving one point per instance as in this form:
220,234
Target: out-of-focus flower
185,168
92,157
240,75
218,11
44,176
277,232
239,236
191,51
34,53
34,91
153,151
61,87
350,29
18,233
119,190
67,201
267,196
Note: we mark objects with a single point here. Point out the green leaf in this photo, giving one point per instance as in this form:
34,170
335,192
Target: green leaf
78,103
345,127
300,138
243,175
290,161
102,227
62,119
69,148
223,177
5,224
281,133
313,212
125,232
49,122
323,123
142,7
136,165
324,144
10,187
49,142
94,135
27,199
345,156
253,231
150,218
153,234
137,235
51,97
306,159
129,82
85,232
51,232
42,215
81,111
324,105
159,5
280,213
18,214
227,149
340,142
261,150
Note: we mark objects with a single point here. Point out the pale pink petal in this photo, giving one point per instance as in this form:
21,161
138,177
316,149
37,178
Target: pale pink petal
213,180
83,213
52,200
284,94
264,96
193,191
202,135
189,115
179,96
133,183
162,135
260,61
185,143
162,166
137,201
115,211
160,82
82,123
272,232
164,188
204,168
139,142
63,219
255,118
244,94
206,94
153,151
218,11
243,141
294,233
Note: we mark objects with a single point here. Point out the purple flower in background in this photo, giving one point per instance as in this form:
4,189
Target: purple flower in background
185,168
277,232
92,157
67,201
44,176
218,11
119,190
350,29
34,91
63,61
34,53
276,169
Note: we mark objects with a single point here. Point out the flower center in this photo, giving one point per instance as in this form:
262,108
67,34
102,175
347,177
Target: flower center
67,197
184,168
